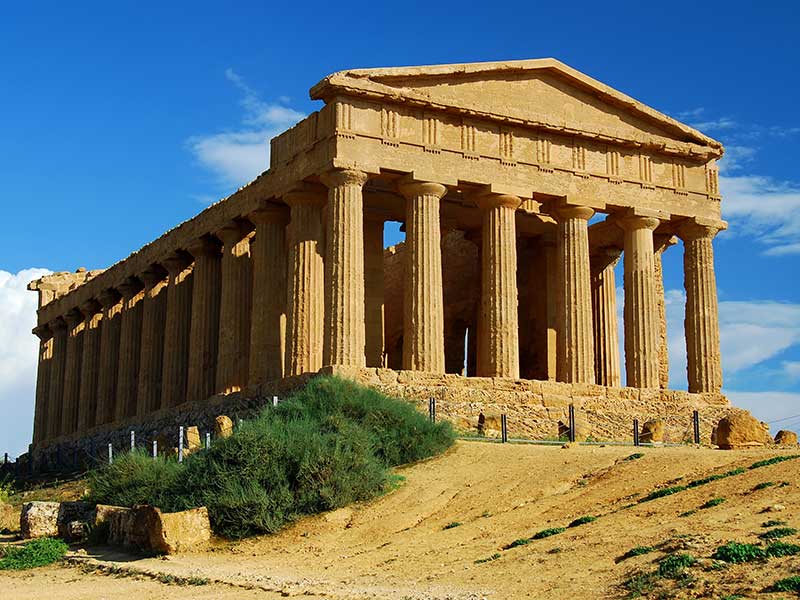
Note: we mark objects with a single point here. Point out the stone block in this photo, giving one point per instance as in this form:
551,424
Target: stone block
193,443
223,426
148,529
39,519
786,438
652,432
741,430
9,518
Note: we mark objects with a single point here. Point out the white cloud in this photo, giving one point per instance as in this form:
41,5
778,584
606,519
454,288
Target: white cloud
18,359
764,209
237,157
791,369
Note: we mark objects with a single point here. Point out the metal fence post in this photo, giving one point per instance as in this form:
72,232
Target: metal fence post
636,432
133,440
432,409
208,440
696,426
155,449
571,423
110,453
180,444
5,459
503,428
274,401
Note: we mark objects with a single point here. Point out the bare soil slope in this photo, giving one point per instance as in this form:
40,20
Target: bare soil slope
422,541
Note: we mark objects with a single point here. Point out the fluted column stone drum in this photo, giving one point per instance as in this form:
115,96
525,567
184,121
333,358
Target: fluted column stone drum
177,324
604,313
40,419
423,305
72,372
90,367
154,313
56,388
110,332
130,339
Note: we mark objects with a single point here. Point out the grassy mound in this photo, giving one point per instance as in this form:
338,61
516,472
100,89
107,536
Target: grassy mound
328,445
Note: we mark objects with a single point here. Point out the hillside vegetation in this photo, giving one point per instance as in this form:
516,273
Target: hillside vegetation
329,445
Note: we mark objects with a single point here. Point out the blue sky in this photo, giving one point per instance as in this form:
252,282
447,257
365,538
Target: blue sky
119,120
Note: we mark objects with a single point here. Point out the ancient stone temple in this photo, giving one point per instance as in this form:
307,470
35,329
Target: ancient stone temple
520,185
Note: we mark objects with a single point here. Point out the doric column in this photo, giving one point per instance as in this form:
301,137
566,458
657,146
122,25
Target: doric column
90,367
268,321
704,366
344,337
204,331
129,348
373,289
72,372
109,356
233,357
151,357
177,324
574,343
641,311
41,416
56,388
499,322
305,303
660,244
604,313
423,305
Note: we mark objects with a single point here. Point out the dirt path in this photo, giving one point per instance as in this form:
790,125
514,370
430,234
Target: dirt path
400,547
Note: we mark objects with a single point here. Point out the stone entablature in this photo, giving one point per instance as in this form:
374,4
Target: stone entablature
287,276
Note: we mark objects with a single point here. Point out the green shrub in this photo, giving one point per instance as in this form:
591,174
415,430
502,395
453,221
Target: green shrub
773,523
494,556
734,552
672,566
640,584
634,456
636,551
713,502
330,444
778,532
452,525
544,533
778,549
36,553
662,492
773,461
519,542
582,520
6,489
764,485
688,513
790,584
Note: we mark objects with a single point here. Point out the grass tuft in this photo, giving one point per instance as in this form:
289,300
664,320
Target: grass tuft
734,552
634,456
674,565
494,556
790,584
636,551
452,525
36,553
545,533
778,532
713,502
582,521
516,543
773,461
779,549
773,523
663,492
328,445
764,485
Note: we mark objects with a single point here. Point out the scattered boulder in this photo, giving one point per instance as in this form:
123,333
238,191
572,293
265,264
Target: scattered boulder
39,519
192,439
740,430
652,432
9,518
583,430
786,438
223,427
147,529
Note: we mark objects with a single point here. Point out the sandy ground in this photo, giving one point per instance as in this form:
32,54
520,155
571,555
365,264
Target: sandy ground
398,547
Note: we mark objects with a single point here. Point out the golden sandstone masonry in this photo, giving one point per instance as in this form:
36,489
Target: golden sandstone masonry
520,184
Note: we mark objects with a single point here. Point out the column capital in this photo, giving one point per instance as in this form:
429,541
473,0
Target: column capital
489,200
343,177
176,263
565,212
130,287
43,332
234,231
605,256
108,297
270,213
90,308
73,318
698,228
410,188
307,194
153,276
206,245
57,324
662,242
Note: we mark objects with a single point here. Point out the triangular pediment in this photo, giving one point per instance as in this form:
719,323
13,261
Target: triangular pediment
542,91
